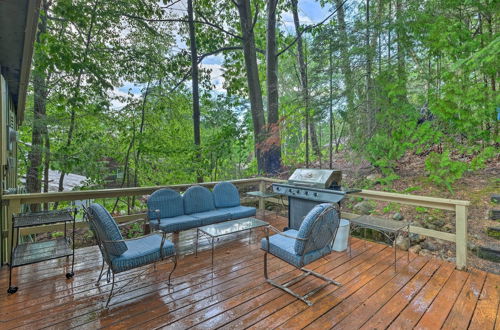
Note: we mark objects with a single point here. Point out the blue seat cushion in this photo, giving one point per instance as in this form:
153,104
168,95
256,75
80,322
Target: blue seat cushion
107,229
142,251
198,199
238,212
226,195
167,201
178,223
283,248
214,216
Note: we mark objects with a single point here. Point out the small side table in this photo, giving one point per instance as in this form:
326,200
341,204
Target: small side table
391,229
29,253
262,195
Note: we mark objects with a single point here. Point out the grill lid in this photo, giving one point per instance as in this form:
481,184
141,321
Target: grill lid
315,178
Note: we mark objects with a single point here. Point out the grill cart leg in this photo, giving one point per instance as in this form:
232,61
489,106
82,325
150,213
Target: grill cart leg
11,289
72,273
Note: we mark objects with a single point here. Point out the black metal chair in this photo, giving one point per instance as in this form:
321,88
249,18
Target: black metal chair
300,247
121,255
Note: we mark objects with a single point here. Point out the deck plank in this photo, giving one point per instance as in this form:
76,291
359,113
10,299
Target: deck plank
353,311
234,294
254,316
438,311
463,309
392,294
487,307
359,275
405,311
251,313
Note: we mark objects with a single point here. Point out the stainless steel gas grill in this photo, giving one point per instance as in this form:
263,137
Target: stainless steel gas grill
308,187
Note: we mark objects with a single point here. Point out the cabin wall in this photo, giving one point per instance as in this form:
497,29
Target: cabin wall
8,157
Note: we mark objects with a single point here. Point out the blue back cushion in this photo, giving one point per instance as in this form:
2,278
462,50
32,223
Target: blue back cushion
198,199
320,231
107,229
226,195
168,201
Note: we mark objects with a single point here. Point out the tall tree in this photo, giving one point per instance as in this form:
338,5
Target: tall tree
247,24
310,128
273,148
40,89
194,85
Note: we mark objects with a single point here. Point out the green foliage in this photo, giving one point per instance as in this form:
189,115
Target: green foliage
420,209
411,189
478,162
135,230
57,234
391,207
442,170
120,85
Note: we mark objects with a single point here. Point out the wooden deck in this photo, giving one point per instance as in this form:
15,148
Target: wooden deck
427,293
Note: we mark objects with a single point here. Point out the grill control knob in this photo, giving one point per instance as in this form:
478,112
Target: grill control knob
278,188
306,192
298,191
290,190
315,194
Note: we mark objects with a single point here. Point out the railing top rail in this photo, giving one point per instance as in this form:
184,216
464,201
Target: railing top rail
107,193
443,203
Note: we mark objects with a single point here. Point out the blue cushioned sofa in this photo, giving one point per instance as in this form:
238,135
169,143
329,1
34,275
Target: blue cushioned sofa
170,211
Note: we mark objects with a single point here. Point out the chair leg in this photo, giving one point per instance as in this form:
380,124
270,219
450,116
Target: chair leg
320,276
171,272
285,287
101,273
288,290
111,292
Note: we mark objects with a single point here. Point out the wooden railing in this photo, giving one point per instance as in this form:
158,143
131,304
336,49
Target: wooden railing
13,204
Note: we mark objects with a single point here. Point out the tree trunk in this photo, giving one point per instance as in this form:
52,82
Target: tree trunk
330,85
195,88
345,62
401,56
141,131
272,156
77,93
33,177
254,91
46,165
310,129
368,120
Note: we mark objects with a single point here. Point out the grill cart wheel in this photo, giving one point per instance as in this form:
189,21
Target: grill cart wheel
12,289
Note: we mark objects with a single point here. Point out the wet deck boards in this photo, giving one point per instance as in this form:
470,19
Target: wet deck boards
426,293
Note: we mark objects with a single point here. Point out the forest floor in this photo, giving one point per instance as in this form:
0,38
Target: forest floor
476,187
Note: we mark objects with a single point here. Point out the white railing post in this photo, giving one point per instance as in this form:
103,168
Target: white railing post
262,189
461,235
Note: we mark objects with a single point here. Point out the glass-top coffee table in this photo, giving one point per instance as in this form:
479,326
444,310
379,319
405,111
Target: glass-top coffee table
216,230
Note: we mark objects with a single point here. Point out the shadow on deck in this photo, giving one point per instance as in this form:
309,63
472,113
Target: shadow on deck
426,293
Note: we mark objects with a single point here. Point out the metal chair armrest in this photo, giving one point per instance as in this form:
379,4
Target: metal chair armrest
128,239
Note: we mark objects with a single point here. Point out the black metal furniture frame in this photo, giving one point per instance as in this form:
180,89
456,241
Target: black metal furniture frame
391,229
30,253
106,256
306,272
